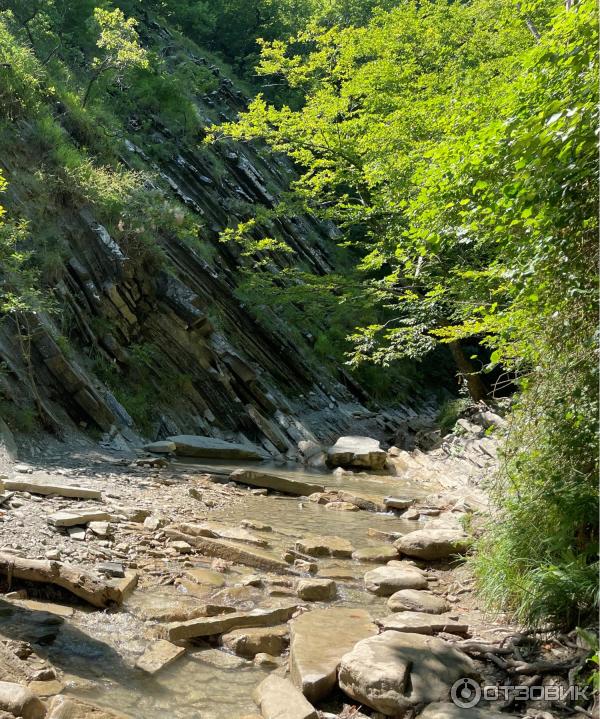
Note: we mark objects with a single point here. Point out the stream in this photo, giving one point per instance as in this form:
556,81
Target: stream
96,650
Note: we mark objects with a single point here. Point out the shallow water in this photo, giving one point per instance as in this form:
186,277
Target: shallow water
97,650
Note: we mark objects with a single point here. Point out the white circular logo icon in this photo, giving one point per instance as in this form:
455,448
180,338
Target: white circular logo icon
465,693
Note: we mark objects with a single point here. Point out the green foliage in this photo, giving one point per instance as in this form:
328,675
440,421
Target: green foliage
450,412
460,161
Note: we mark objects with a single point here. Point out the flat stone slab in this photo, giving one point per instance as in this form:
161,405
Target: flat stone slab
433,544
382,553
385,581
394,672
49,488
295,487
249,642
449,710
162,447
366,502
325,546
357,452
278,698
73,519
158,656
40,606
222,531
225,549
192,445
319,639
422,623
414,600
210,626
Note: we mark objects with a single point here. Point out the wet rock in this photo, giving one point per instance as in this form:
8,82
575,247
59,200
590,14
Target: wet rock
20,701
231,552
363,501
395,672
431,544
397,502
319,639
385,581
202,575
74,518
209,626
422,623
337,572
214,529
449,710
249,642
267,661
356,452
35,605
46,688
257,526
341,507
61,707
278,698
218,658
316,590
159,655
301,565
295,487
190,445
324,546
162,447
382,554
385,536
413,600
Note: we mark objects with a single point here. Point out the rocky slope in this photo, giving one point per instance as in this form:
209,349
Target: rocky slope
210,366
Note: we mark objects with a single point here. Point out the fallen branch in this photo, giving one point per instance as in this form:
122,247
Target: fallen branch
83,584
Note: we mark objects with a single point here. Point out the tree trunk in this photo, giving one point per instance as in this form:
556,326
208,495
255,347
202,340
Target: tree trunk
475,384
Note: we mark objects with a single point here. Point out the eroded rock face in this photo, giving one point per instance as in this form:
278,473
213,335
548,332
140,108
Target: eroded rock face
431,544
319,639
414,600
357,452
385,581
395,672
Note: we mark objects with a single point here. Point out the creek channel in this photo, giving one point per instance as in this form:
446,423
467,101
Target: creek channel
96,650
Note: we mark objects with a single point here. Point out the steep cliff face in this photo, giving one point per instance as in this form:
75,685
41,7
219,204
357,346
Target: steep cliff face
169,336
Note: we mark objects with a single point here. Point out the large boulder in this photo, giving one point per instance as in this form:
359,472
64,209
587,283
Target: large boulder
415,600
433,544
385,581
357,452
394,672
278,698
319,639
192,445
